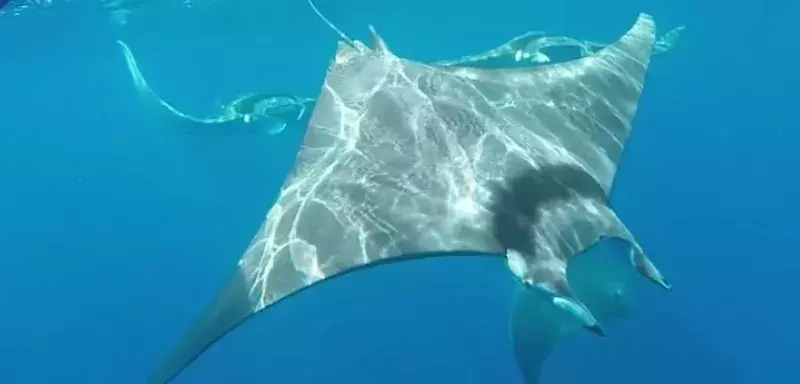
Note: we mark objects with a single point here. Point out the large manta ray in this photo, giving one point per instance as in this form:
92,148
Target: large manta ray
405,160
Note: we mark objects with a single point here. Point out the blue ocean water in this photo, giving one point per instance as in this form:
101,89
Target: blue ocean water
117,230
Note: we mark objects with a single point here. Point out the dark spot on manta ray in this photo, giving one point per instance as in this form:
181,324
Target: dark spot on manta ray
517,210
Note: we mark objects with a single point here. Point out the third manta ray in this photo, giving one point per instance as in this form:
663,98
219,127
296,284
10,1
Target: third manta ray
269,110
275,111
405,160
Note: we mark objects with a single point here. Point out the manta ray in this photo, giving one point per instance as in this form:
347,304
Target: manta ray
272,111
405,160
530,47
275,111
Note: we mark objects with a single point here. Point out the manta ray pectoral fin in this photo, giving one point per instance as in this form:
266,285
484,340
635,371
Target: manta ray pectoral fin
150,96
133,69
231,307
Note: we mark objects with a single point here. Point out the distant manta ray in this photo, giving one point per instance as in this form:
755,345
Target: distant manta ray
531,46
276,110
405,160
270,110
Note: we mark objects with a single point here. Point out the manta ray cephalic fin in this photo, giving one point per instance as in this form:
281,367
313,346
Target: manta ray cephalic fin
601,281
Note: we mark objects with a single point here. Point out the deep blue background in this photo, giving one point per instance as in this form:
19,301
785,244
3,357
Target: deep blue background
116,230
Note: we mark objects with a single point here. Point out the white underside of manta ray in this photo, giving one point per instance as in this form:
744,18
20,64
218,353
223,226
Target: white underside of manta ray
403,160
272,111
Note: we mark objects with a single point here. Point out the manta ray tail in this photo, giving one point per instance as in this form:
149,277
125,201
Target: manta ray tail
136,74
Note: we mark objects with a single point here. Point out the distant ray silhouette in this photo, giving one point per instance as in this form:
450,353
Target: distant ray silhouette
272,112
404,160
531,47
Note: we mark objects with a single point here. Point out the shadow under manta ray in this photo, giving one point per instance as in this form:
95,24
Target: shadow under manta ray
403,160
272,111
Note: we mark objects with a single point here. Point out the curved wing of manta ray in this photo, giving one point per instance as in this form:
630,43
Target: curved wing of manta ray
532,47
403,160
270,111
